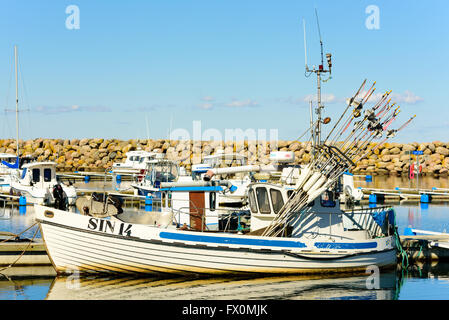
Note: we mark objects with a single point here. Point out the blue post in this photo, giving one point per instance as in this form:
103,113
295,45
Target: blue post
372,198
408,232
22,205
148,203
424,206
425,198
372,205
368,178
86,179
118,179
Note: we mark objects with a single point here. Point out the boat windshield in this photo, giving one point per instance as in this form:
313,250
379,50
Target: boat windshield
262,200
276,200
224,161
163,172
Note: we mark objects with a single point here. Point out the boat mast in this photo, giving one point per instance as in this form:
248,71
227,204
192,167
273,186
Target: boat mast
316,137
17,100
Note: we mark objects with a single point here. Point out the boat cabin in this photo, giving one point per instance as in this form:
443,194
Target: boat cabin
137,159
219,160
39,174
323,216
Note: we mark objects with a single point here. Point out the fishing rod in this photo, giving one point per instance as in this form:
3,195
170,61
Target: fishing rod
356,112
299,198
348,106
375,133
390,134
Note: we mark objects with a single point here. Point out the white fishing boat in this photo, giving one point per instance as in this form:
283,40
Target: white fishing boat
135,162
86,244
39,184
306,233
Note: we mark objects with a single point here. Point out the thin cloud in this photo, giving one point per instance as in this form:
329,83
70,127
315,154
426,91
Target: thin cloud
209,103
206,106
325,98
405,97
242,103
73,108
330,98
149,108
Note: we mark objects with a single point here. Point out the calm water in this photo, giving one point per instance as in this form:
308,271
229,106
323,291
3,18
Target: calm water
420,282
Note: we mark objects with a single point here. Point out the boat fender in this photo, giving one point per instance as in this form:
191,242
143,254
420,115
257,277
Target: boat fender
315,194
305,173
321,181
208,175
313,179
412,171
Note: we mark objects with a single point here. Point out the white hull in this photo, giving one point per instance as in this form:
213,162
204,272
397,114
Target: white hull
76,242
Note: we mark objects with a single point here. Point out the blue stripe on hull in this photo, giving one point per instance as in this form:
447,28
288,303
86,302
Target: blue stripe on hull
231,240
343,246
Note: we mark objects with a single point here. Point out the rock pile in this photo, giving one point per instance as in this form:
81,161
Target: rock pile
99,154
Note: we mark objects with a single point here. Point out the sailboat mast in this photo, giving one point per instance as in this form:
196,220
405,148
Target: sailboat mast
17,100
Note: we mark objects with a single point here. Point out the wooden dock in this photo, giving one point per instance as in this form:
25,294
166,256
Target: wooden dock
22,253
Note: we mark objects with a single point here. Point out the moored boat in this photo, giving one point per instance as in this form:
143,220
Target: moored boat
88,244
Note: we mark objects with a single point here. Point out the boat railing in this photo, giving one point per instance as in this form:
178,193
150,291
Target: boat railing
7,205
198,212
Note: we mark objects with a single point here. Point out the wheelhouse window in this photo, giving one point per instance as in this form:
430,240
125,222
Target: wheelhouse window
252,201
47,174
276,200
36,175
327,199
262,200
212,201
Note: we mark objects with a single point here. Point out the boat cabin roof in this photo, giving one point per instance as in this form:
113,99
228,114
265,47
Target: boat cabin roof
140,153
7,155
40,164
227,156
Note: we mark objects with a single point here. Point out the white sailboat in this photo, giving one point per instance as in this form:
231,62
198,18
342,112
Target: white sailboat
37,181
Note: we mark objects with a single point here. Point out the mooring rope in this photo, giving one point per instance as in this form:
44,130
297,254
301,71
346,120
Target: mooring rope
26,248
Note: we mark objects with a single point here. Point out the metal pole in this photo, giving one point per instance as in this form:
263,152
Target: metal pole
318,135
17,101
312,128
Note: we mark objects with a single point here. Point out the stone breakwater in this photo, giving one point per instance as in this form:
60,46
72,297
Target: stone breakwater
99,154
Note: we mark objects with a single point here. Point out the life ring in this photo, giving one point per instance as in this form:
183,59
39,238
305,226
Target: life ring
414,170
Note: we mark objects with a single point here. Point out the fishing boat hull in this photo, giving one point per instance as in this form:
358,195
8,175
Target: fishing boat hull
77,243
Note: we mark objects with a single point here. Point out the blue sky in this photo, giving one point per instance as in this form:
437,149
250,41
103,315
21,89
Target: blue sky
229,64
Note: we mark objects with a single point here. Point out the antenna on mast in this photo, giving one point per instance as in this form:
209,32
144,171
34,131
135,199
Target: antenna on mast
316,137
305,45
319,33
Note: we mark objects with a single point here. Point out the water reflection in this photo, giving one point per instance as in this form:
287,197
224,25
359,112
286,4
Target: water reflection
420,281
278,288
35,288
